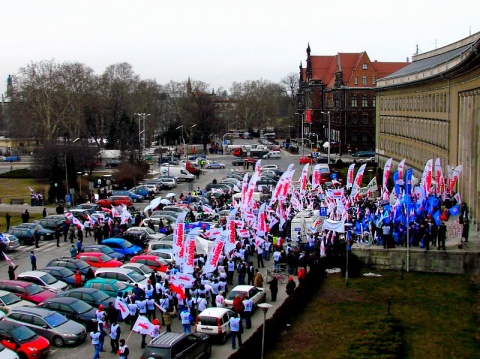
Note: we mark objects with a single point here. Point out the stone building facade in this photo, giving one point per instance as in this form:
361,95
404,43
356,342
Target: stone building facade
431,109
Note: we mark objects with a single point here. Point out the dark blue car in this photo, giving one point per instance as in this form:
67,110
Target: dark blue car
63,274
122,246
142,191
134,196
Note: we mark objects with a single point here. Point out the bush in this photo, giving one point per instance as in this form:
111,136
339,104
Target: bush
19,173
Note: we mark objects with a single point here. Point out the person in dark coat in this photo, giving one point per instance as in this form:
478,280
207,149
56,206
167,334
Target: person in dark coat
273,288
291,285
11,271
441,236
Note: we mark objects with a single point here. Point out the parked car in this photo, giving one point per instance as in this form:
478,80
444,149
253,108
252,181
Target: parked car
71,263
364,154
246,291
109,286
101,248
62,273
141,190
93,296
121,245
150,234
266,181
80,214
134,197
127,276
44,280
98,260
223,186
166,219
151,260
50,223
238,162
269,168
140,268
74,309
304,160
9,300
113,163
10,241
24,341
215,165
26,290
164,253
90,207
45,234
115,201
215,322
178,345
58,329
159,244
167,182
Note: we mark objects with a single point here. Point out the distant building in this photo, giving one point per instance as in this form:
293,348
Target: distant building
431,109
344,85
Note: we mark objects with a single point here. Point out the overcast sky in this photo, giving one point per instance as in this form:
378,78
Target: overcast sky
221,42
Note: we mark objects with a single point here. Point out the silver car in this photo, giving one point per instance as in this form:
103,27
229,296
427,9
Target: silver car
43,279
11,242
54,326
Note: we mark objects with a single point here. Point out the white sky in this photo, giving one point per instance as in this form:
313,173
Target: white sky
220,42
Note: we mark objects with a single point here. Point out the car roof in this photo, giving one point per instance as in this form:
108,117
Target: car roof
214,312
9,325
166,339
115,270
57,268
66,300
33,273
242,287
83,290
20,283
34,310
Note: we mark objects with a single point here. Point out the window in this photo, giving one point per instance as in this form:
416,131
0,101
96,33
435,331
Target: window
365,119
354,100
374,102
365,80
354,119
356,80
374,80
365,66
364,101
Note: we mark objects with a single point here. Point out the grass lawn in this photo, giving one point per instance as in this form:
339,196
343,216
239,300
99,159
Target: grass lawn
439,314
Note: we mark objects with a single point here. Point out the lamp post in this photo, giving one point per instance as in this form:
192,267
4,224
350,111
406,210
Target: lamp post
183,140
142,116
66,167
329,141
189,138
264,307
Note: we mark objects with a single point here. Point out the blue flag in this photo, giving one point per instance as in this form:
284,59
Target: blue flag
436,217
455,210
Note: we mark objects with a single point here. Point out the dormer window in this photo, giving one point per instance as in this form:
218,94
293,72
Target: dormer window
365,66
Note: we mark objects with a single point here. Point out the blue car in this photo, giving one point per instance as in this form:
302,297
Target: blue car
61,273
134,196
214,164
122,246
142,191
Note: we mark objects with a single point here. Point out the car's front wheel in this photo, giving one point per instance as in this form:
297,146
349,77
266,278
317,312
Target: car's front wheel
208,352
58,342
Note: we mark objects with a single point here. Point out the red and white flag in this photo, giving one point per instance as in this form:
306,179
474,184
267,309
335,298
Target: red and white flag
214,255
122,307
143,325
10,262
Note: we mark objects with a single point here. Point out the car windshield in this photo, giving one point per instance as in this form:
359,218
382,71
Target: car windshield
120,286
107,250
82,265
150,231
127,244
9,299
135,276
23,334
55,320
105,258
81,307
146,269
48,279
66,272
33,289
233,293
100,296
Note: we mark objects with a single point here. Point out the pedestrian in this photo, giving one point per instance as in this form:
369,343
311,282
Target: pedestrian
8,218
11,271
115,332
186,318
95,336
236,330
79,246
167,318
73,251
123,350
58,234
247,312
273,288
25,216
65,228
44,212
71,233
102,323
33,260
78,278
291,285
258,280
441,235
36,235
132,311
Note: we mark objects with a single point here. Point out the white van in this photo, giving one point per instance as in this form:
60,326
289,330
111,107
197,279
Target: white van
215,322
273,154
180,173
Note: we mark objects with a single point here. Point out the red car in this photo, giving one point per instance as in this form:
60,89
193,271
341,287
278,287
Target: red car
152,261
26,290
24,341
115,201
99,260
304,160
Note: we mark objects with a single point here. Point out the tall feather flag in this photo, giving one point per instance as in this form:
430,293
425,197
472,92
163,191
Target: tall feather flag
456,172
350,175
439,178
426,181
179,238
304,179
358,181
386,175
401,170
316,176
10,262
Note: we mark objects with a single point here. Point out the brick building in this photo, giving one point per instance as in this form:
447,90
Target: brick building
341,87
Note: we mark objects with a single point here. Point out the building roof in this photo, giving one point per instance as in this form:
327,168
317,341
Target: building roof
324,67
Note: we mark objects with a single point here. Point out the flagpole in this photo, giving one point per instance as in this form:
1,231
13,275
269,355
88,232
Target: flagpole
408,219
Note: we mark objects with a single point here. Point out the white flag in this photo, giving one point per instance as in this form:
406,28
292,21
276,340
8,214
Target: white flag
122,307
143,325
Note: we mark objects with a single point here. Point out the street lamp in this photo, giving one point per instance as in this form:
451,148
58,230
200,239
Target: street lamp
183,140
264,307
189,138
142,116
329,142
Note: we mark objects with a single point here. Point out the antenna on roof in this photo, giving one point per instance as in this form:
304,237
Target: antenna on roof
417,51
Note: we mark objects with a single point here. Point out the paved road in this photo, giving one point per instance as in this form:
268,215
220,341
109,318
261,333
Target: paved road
48,250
